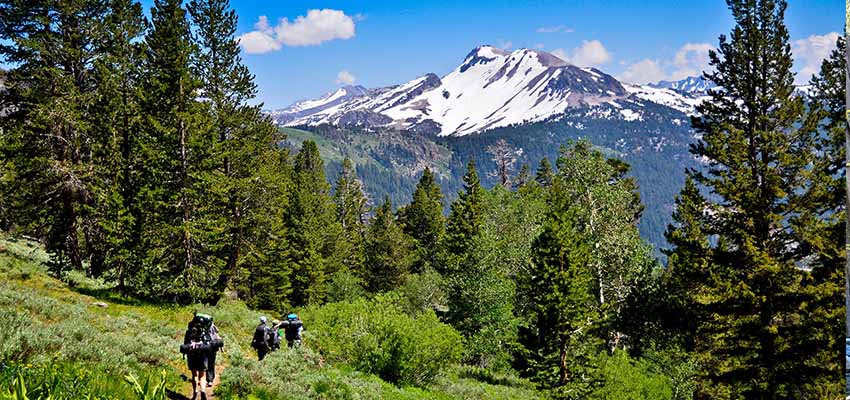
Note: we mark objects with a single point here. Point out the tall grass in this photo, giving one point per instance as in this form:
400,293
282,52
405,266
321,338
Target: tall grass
57,342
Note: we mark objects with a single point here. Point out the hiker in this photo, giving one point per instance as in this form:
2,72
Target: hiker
196,348
274,335
261,339
293,328
216,343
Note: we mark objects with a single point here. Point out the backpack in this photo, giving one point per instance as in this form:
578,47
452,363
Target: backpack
197,338
260,340
293,330
216,342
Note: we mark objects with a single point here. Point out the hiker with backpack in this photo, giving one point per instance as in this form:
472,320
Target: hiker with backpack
196,347
292,329
217,343
274,336
260,343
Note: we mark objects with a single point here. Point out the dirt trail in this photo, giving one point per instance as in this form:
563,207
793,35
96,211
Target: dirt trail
188,387
216,381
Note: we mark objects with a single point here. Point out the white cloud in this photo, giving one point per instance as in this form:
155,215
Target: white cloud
261,40
590,53
691,60
554,29
317,27
810,52
539,46
346,78
505,45
644,71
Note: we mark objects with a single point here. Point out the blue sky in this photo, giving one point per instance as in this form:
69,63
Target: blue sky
378,43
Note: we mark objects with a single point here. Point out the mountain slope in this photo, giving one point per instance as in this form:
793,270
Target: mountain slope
532,99
491,88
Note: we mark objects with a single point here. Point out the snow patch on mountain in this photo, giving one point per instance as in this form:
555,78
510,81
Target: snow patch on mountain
491,88
691,85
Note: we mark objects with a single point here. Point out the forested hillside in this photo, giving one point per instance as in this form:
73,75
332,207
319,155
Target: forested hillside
389,161
511,264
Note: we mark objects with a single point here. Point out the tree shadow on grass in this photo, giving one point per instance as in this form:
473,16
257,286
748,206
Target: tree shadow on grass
110,295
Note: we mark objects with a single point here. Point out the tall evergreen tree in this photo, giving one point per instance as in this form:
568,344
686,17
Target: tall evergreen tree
460,260
48,137
174,157
823,220
241,136
423,220
264,277
120,123
466,217
389,251
561,339
545,175
351,209
313,228
759,145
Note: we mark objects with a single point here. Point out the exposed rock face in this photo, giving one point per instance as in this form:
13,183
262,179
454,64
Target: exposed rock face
362,118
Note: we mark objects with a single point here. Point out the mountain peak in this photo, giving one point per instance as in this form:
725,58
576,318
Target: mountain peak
687,85
491,88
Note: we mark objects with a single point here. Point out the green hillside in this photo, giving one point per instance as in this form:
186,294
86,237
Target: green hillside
75,331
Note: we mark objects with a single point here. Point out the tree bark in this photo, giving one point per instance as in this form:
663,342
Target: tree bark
562,364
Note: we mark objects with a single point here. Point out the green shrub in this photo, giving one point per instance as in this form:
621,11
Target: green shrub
345,286
626,378
65,381
422,292
377,337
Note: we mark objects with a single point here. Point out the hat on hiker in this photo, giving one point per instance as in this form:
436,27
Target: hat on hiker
263,319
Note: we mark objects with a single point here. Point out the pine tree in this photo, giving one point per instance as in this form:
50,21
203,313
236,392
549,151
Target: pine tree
466,217
823,221
389,251
460,260
759,145
523,178
351,209
264,277
545,175
120,123
313,228
174,156
48,139
561,340
241,136
423,220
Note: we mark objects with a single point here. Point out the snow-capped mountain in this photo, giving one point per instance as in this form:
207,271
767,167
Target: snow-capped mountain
491,88
692,85
308,107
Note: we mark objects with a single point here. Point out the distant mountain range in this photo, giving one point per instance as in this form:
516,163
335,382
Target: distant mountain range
530,98
692,85
491,88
